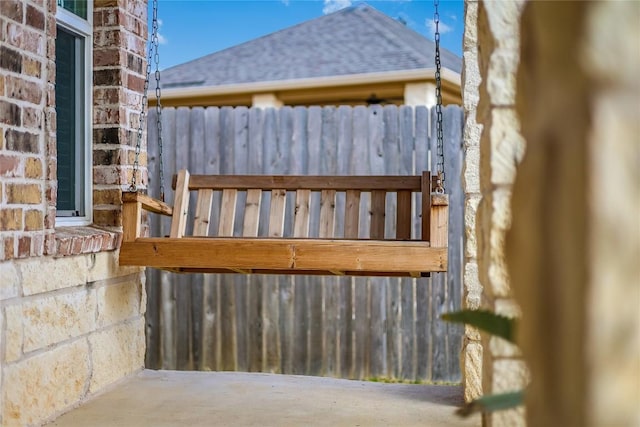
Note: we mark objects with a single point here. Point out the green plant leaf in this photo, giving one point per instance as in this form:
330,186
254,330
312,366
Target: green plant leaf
493,402
495,324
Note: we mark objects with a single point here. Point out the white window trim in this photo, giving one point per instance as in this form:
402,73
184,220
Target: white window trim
84,28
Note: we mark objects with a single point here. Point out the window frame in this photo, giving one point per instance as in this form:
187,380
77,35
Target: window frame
84,127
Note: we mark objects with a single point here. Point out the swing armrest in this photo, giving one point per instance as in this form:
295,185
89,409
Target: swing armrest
132,205
148,203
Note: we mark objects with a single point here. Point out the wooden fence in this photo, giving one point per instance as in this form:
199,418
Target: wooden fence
332,326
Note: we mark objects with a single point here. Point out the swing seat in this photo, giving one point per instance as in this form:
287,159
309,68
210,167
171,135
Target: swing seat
361,249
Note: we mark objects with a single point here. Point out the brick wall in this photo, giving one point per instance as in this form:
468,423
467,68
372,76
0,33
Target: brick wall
119,67
27,128
71,320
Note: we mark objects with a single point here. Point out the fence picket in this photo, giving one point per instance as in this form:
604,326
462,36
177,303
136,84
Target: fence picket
338,326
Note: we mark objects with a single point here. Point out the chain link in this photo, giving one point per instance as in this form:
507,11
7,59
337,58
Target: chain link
439,132
154,57
158,96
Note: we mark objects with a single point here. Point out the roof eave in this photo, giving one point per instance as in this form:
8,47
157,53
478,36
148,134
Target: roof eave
314,82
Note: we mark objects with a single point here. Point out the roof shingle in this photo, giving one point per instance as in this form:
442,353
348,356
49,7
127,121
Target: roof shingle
354,40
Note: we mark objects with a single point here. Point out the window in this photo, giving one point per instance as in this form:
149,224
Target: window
73,111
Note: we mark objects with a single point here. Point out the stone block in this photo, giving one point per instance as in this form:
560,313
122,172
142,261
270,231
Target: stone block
14,333
472,286
104,265
509,375
10,283
118,302
503,348
472,367
501,77
472,130
48,274
52,319
503,18
470,80
470,211
116,353
471,170
470,36
507,145
143,293
497,273
41,386
501,208
509,418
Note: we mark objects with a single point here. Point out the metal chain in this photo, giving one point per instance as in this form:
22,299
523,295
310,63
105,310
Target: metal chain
158,93
151,56
439,133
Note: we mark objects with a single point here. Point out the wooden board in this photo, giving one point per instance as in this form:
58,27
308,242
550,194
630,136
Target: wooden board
293,182
246,254
252,213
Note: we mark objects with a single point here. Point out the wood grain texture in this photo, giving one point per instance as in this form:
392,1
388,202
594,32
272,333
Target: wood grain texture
203,213
285,142
181,205
252,213
227,212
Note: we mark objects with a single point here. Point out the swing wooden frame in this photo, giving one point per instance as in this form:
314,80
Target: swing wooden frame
358,251
350,254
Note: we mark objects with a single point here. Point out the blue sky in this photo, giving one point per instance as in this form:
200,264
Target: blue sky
190,29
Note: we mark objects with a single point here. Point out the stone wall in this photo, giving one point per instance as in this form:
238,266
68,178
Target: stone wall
72,321
561,76
575,242
494,148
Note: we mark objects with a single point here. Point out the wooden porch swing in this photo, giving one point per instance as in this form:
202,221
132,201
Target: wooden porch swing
357,251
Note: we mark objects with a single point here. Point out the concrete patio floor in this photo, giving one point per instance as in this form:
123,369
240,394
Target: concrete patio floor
170,398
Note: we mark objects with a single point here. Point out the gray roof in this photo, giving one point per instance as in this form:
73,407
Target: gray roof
354,40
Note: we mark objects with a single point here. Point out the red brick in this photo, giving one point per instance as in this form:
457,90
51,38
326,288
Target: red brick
106,115
9,113
63,246
34,42
12,9
50,219
24,247
14,35
135,83
49,244
9,166
107,38
110,135
106,57
52,169
10,59
32,118
110,77
9,245
23,142
37,244
35,18
23,90
106,96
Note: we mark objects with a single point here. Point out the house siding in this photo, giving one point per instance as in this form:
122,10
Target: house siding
71,320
